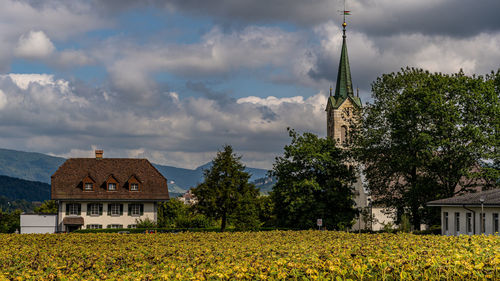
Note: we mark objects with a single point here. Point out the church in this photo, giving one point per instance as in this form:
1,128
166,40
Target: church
339,116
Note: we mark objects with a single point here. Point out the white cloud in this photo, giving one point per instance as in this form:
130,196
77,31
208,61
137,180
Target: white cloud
218,53
46,114
34,45
3,100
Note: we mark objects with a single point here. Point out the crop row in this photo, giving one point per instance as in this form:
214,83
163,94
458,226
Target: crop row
274,255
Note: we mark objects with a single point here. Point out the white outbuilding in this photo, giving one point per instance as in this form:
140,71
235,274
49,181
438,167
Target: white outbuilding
38,223
473,213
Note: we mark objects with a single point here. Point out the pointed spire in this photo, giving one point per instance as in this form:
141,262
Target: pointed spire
344,83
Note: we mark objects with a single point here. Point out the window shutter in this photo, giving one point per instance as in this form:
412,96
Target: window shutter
129,209
142,209
79,209
67,209
88,209
121,209
100,209
109,209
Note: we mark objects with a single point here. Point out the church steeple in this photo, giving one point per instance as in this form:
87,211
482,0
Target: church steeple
343,89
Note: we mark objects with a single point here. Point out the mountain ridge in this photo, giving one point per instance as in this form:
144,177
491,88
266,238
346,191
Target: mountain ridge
35,166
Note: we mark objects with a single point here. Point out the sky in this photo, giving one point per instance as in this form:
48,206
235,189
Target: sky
175,80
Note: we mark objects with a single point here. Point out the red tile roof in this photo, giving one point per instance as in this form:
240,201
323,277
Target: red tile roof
66,183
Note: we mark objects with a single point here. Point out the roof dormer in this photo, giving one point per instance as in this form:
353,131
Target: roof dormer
134,183
111,183
88,183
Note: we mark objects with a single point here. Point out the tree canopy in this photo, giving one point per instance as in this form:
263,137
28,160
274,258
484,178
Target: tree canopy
314,180
426,136
227,193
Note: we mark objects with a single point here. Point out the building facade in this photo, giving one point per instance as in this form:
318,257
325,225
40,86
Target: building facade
473,213
95,193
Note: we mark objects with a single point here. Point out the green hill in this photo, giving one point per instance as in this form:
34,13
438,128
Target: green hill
39,167
18,189
28,165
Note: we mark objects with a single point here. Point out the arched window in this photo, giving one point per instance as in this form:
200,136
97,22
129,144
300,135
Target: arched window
343,134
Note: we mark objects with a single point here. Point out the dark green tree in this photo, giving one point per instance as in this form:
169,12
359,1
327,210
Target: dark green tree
47,207
171,212
10,221
226,191
424,138
314,180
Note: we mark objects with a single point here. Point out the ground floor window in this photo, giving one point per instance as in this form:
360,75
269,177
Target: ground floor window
132,226
445,221
115,225
495,223
73,209
457,222
94,226
135,209
469,222
483,222
94,209
115,209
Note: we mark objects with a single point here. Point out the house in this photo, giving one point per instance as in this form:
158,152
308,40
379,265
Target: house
38,223
97,193
473,213
188,198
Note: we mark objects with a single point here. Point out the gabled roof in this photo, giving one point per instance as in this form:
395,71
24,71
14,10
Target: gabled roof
66,183
337,102
491,198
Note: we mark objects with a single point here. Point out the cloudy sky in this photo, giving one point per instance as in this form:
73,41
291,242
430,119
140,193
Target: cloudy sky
174,80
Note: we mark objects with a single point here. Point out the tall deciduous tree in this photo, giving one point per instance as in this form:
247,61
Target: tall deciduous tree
314,181
226,191
425,135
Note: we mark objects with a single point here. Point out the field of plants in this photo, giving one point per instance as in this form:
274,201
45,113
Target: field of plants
274,255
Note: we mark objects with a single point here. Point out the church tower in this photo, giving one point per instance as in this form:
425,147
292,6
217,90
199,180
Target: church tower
339,115
340,106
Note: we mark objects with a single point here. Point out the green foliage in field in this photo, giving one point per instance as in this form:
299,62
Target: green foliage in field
275,255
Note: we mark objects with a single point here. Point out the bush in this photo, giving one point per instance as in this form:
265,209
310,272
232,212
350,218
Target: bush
146,223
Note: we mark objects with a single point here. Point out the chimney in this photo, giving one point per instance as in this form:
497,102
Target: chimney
98,154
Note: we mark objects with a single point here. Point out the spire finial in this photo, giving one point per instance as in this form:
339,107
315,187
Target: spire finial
357,92
331,90
344,24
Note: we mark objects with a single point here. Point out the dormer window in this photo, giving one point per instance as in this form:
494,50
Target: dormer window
88,186
111,186
88,183
133,183
112,183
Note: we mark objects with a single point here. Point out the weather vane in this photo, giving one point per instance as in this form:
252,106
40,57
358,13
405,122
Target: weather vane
344,13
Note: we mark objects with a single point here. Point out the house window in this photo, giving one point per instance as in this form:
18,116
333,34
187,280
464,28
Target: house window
134,187
89,186
115,226
94,209
135,209
112,186
483,223
446,221
469,222
495,223
73,209
94,226
132,226
457,222
115,209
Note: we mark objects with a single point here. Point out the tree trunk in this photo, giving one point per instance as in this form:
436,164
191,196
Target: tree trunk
223,223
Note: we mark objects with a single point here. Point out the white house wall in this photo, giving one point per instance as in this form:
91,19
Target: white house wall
462,227
104,219
38,223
